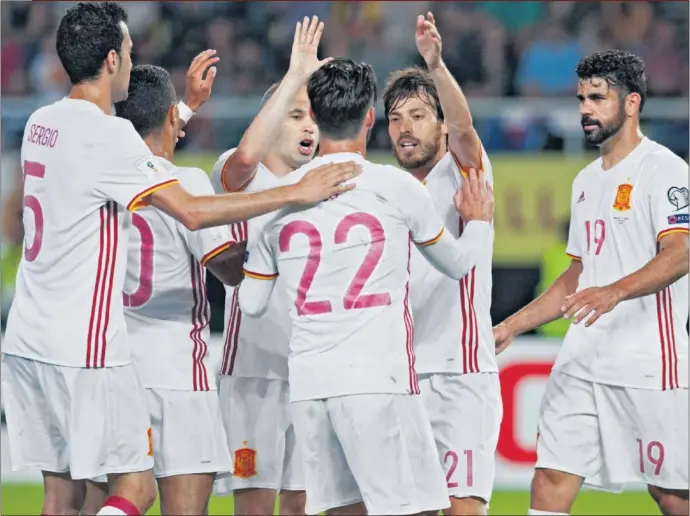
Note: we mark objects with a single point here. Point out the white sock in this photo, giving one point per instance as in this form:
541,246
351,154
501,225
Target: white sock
109,510
545,513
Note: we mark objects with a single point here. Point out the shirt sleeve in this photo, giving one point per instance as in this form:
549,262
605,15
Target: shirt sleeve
419,212
129,172
260,273
218,171
455,258
573,249
260,262
208,243
668,197
462,172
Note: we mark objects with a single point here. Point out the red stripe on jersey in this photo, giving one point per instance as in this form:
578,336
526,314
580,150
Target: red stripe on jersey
199,376
228,336
205,318
235,234
466,328
667,338
101,287
115,228
475,324
236,331
195,324
671,338
96,288
470,337
409,328
231,335
660,319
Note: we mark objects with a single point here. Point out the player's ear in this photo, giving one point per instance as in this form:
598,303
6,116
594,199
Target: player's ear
173,115
112,62
311,115
632,104
370,118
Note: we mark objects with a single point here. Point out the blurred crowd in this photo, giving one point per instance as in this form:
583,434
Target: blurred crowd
493,48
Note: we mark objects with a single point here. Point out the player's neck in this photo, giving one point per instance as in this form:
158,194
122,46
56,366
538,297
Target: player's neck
277,166
334,147
617,148
93,92
158,148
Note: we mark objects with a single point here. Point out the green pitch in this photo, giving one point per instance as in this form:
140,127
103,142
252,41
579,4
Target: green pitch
18,499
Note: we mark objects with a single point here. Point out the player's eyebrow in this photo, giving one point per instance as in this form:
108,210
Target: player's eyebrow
297,111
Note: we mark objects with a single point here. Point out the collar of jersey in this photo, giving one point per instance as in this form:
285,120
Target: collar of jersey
86,104
340,157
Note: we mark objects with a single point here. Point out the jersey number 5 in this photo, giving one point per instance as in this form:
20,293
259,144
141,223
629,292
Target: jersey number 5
353,298
144,289
31,202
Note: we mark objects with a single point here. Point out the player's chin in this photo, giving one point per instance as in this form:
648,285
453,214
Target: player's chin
301,158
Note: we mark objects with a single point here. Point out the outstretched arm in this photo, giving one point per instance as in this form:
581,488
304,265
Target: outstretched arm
463,139
264,130
544,309
217,210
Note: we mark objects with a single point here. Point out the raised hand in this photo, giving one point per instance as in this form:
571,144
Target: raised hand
303,60
199,86
325,181
428,40
475,199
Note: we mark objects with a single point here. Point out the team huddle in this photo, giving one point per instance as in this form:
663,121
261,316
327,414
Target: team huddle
359,373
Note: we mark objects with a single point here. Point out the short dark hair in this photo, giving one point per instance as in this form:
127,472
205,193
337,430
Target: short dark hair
341,92
86,34
269,92
151,92
622,70
411,82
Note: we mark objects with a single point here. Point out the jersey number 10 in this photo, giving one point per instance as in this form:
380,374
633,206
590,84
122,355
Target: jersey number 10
353,297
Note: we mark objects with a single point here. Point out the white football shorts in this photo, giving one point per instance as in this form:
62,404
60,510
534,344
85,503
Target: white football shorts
260,435
612,435
465,411
88,422
188,433
375,448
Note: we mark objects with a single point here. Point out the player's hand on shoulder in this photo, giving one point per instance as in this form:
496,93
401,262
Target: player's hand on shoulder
325,181
428,40
305,46
503,337
475,199
200,77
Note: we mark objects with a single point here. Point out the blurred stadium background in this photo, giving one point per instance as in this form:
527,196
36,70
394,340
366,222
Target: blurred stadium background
515,62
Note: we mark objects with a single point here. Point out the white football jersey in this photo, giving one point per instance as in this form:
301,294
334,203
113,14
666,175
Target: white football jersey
83,170
618,217
345,265
166,308
453,330
254,347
